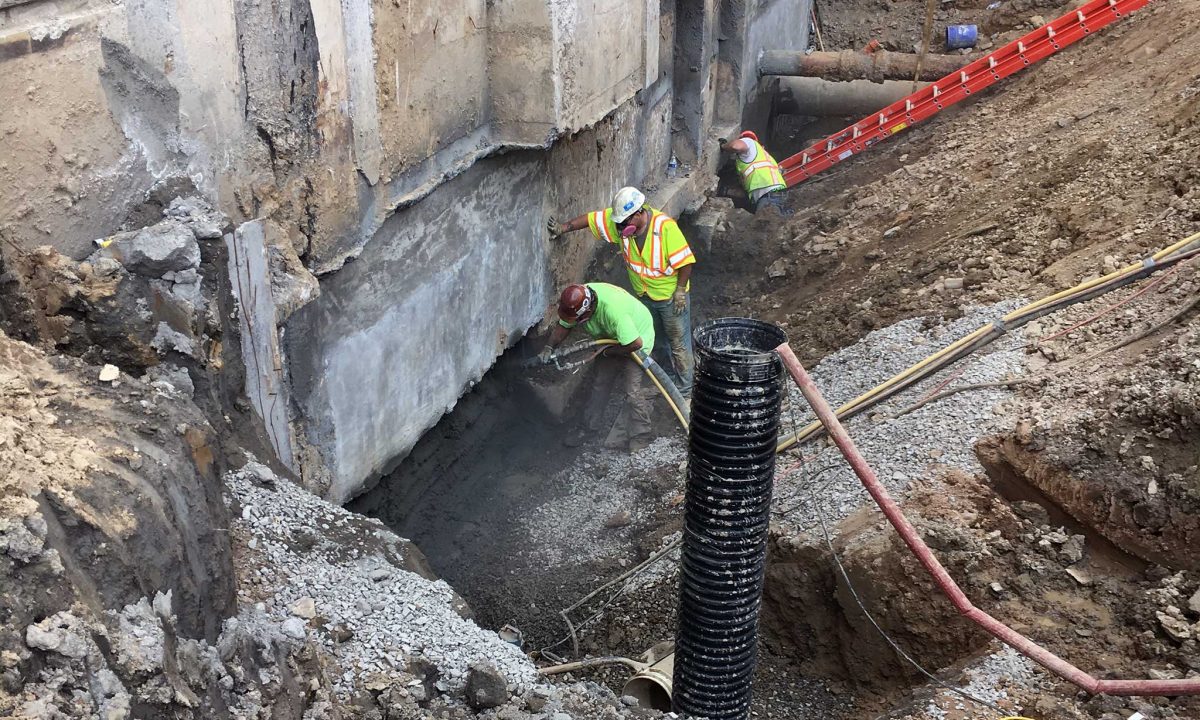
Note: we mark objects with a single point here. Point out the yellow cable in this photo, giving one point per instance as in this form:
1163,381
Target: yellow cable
646,368
666,396
966,340
1092,283
904,375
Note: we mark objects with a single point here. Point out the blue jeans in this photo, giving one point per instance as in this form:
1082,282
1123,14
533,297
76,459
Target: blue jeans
676,329
772,199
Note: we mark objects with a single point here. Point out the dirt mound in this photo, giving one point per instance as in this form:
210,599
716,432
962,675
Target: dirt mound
1085,161
110,494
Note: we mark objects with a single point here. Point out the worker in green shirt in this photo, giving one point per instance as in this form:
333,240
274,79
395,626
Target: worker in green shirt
660,264
608,312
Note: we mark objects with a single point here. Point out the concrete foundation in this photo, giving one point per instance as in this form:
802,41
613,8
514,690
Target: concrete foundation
401,158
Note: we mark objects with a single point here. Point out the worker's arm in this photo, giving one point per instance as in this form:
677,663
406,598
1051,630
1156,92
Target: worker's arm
738,146
626,349
556,228
685,274
557,335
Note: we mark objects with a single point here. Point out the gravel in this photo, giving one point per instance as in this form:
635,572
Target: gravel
939,434
986,680
574,526
390,615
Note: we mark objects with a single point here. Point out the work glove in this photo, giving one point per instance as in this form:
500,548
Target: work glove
554,228
545,355
680,301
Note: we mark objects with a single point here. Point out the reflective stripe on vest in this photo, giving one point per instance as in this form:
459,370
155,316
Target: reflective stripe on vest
759,165
657,268
761,172
599,221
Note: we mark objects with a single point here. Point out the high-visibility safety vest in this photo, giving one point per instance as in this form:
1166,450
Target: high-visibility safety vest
761,172
653,267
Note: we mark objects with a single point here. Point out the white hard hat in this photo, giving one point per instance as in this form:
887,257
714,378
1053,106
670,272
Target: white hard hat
626,202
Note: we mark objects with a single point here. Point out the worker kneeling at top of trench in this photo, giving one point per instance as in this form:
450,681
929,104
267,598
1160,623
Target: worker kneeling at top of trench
659,261
760,174
608,312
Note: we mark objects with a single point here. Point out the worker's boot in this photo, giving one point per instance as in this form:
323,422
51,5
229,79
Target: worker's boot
639,442
618,435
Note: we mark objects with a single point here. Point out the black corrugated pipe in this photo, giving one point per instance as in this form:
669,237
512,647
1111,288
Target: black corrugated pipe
731,463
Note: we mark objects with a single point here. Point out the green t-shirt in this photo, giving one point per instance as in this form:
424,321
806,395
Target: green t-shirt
618,316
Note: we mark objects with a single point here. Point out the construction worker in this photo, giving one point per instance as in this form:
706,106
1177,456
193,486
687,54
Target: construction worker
608,312
659,261
760,174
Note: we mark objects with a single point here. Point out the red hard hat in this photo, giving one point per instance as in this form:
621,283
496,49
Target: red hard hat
575,302
749,134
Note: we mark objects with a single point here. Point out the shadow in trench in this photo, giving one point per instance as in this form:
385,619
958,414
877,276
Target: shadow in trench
476,491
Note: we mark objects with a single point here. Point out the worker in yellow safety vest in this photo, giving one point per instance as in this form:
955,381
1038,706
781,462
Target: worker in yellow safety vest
659,261
608,312
758,171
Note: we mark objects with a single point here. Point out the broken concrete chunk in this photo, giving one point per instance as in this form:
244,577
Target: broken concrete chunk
59,634
171,380
1058,537
19,541
1175,627
305,608
777,269
1194,602
1072,549
486,687
152,251
207,229
108,373
1080,575
167,339
293,628
260,474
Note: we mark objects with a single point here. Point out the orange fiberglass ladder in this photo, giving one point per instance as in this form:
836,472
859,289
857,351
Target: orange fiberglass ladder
979,74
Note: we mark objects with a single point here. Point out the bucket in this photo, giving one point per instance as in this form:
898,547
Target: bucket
961,36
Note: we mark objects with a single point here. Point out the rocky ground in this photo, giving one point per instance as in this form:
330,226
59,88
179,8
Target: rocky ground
153,567
1064,503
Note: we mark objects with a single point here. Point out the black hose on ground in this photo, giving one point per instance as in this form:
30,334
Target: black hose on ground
666,386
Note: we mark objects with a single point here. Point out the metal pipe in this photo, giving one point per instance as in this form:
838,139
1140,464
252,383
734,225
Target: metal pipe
925,556
731,464
815,97
854,65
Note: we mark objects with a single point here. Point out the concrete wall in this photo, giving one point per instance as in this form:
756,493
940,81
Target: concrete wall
747,28
403,154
